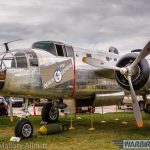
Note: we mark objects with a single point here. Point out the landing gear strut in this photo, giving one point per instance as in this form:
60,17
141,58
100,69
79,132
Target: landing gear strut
146,105
50,112
142,105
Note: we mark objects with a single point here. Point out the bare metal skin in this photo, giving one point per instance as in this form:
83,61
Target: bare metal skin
78,80
37,73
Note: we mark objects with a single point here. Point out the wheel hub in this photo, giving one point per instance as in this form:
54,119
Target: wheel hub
26,130
53,113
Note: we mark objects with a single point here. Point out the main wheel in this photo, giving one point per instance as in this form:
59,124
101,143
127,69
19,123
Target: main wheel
24,129
50,113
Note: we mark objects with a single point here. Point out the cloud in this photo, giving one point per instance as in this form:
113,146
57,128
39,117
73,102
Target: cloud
83,23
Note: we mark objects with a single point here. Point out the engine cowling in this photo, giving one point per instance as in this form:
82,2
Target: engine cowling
141,72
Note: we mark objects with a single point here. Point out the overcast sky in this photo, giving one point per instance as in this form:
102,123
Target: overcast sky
98,24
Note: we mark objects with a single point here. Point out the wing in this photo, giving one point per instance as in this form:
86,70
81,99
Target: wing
104,69
105,73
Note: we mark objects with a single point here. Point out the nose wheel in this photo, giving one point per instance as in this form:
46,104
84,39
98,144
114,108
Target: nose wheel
24,129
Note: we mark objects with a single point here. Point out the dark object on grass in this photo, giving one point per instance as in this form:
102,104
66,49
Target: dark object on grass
53,128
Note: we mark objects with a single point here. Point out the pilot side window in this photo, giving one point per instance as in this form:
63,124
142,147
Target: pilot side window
60,51
69,50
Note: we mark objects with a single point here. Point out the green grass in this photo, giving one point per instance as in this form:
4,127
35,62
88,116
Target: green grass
81,138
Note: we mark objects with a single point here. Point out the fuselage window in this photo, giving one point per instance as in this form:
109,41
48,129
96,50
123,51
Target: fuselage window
59,50
69,50
49,47
88,55
107,58
33,61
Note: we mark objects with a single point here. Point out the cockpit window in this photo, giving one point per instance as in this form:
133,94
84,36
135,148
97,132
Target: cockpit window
49,47
69,50
60,51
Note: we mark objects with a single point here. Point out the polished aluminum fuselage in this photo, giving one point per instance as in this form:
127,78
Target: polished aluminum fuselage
83,81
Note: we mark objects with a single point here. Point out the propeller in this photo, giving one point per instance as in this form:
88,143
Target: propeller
128,72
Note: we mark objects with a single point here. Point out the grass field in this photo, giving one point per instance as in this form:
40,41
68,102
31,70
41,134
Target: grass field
80,138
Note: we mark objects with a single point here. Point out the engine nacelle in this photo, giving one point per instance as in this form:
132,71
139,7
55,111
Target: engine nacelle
108,99
141,74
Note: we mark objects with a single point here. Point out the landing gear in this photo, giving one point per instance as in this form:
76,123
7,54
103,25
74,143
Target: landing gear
147,109
24,129
146,105
142,105
50,112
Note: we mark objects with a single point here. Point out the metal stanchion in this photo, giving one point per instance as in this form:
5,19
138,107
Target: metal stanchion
103,121
116,112
92,127
124,122
71,123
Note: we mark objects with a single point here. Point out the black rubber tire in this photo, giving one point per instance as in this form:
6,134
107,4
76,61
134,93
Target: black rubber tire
46,113
19,129
142,105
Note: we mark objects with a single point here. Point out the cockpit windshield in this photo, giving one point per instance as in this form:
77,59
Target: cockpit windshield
47,46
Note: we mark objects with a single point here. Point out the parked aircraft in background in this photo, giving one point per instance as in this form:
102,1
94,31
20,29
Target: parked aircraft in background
57,71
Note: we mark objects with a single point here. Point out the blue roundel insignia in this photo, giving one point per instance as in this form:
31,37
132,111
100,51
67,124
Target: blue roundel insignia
57,76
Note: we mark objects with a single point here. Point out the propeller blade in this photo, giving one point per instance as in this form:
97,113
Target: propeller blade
136,107
142,55
98,63
11,110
